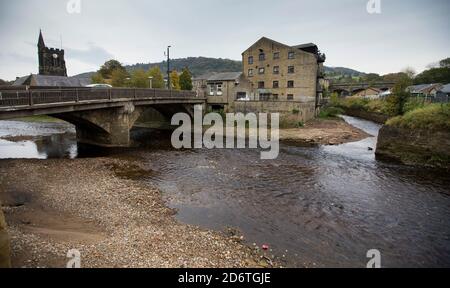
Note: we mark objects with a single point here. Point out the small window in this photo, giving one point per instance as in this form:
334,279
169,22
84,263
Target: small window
291,55
276,69
211,90
261,70
262,56
291,70
276,84
241,95
250,60
250,72
276,55
261,85
290,97
275,96
290,84
219,90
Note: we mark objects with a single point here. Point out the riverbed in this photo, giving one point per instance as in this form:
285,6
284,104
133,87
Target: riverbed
314,207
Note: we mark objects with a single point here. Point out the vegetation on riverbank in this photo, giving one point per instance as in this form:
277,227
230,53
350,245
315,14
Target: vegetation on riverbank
431,117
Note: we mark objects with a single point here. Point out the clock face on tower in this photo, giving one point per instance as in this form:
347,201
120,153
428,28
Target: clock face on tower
55,56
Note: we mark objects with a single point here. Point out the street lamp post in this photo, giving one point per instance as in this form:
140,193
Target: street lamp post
169,86
151,82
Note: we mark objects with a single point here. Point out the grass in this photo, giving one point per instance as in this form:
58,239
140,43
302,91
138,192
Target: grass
431,117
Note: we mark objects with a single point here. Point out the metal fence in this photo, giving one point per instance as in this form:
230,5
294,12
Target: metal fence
10,98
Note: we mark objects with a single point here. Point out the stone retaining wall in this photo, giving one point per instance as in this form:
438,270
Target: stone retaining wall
302,111
371,116
414,147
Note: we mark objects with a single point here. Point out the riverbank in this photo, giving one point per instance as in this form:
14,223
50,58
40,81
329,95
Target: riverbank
317,132
420,137
92,205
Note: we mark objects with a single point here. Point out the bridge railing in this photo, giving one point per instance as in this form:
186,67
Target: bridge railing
11,98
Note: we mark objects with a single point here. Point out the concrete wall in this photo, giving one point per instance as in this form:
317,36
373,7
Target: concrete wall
306,111
304,77
5,261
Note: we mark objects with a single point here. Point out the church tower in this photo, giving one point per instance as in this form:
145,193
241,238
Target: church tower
51,60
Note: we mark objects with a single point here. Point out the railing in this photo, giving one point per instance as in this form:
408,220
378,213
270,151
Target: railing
10,98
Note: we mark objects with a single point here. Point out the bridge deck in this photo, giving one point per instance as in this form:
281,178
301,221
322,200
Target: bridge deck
21,103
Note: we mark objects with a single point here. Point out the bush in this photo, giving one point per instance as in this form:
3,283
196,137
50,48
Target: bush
331,112
430,117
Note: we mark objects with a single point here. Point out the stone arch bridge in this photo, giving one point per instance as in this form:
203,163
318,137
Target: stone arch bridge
348,89
102,117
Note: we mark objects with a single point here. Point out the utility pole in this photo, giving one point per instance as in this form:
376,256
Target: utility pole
169,86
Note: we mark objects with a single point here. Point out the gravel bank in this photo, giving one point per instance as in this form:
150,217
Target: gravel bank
53,206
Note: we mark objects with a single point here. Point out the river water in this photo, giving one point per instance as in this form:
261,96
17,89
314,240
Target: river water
315,207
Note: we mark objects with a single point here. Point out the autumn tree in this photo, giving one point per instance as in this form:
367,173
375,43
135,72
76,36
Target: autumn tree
158,78
186,80
119,78
139,79
97,78
175,80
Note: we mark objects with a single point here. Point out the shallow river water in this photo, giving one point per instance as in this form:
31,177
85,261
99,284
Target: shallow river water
315,207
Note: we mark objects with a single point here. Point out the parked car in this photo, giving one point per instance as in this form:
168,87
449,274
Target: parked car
99,86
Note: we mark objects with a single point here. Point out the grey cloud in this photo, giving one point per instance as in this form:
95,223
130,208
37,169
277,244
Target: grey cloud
94,54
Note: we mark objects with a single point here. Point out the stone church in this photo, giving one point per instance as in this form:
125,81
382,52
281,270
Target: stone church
51,60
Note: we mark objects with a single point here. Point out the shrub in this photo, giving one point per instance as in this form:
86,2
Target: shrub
430,117
330,112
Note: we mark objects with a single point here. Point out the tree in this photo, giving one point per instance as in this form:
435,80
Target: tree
186,80
118,78
109,66
139,79
445,63
158,78
397,100
175,80
5,83
97,78
434,75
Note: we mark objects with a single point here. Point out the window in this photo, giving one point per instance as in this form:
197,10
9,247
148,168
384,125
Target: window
241,95
250,72
290,84
264,96
250,60
291,55
275,96
290,97
219,89
261,85
276,84
261,70
276,55
262,56
211,89
291,70
276,69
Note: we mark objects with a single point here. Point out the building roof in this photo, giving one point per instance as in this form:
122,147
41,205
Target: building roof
52,81
226,76
205,76
308,47
423,88
445,88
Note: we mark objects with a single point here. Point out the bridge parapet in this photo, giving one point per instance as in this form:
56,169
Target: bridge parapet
10,98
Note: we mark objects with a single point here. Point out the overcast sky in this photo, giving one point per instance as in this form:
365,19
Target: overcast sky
407,33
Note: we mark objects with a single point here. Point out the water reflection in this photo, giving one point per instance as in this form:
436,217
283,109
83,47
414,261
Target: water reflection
27,140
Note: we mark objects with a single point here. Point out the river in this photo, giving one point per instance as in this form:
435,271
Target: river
314,207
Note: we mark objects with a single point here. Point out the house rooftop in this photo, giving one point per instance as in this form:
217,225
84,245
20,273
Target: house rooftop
51,81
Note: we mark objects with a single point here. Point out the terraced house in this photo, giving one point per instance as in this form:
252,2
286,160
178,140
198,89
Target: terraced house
284,73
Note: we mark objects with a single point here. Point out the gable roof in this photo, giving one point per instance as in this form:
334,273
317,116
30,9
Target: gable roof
52,81
423,88
308,47
445,88
226,76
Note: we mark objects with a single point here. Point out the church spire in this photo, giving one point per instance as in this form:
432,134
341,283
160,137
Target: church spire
41,43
